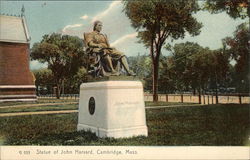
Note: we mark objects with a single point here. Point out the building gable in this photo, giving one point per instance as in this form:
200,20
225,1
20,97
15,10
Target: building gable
13,29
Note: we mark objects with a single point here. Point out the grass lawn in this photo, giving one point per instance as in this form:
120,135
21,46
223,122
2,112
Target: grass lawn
213,125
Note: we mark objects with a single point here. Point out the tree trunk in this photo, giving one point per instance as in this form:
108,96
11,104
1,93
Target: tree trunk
37,90
155,81
58,88
63,86
194,91
154,71
216,95
204,97
199,95
216,90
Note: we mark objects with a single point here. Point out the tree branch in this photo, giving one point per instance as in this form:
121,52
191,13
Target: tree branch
165,35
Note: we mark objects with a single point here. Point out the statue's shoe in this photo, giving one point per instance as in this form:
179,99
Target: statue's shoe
115,73
131,73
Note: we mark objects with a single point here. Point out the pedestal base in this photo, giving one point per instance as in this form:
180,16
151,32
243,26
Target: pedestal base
112,109
116,133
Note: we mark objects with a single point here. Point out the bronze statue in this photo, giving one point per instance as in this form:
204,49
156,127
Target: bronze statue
104,60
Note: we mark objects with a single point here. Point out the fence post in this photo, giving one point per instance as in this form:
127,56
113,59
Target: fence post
199,99
240,99
181,98
208,99
166,97
217,99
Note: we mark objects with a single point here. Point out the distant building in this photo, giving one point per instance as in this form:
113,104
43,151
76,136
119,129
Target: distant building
16,79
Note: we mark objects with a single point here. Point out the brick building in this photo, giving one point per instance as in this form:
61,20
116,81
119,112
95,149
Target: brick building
16,79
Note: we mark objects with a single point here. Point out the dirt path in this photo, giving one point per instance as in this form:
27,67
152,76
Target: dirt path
157,107
37,105
75,111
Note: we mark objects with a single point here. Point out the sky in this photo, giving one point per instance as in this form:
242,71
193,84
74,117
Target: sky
76,17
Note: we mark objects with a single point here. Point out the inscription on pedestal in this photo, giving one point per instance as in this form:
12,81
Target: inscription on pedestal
127,104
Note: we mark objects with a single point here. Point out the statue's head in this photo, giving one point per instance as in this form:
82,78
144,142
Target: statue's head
97,26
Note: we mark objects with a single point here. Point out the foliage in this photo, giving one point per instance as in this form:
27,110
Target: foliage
184,66
238,47
234,8
63,53
141,65
157,20
213,125
72,84
44,81
192,67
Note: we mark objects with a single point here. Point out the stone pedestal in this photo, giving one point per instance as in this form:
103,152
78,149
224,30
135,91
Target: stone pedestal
112,109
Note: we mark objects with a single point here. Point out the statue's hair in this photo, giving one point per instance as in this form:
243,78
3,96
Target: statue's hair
95,23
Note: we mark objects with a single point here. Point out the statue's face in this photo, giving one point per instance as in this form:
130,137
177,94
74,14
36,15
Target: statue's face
98,27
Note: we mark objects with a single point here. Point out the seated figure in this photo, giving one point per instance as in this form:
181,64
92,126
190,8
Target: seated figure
104,60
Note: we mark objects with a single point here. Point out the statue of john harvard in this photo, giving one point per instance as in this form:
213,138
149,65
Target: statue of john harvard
108,61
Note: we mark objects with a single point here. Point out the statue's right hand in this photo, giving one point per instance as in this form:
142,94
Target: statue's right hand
102,45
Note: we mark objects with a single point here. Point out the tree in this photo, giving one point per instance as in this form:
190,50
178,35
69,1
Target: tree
187,67
192,67
219,69
44,80
157,20
234,8
63,53
238,47
72,84
140,64
168,76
